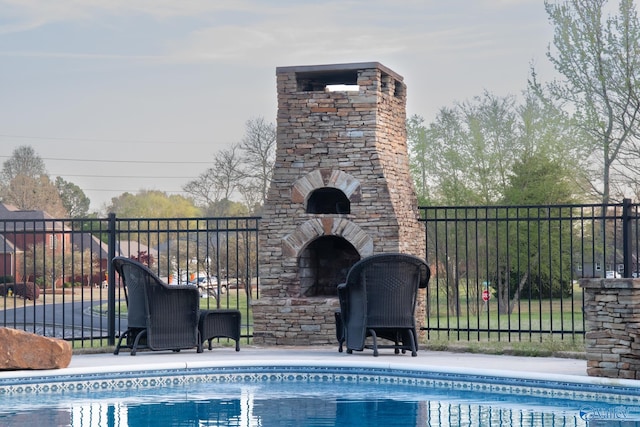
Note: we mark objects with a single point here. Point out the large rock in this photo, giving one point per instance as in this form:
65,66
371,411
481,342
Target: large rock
24,350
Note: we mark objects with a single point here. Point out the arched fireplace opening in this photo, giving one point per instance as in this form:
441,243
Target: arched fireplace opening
328,200
324,264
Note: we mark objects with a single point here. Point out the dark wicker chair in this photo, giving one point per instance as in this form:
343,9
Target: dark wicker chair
378,300
159,316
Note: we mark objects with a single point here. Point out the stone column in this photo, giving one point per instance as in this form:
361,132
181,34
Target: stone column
612,322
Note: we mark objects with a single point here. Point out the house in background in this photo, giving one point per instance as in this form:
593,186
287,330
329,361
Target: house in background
10,259
24,230
34,244
97,250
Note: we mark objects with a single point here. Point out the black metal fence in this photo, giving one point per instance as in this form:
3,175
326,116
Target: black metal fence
509,273
505,273
56,279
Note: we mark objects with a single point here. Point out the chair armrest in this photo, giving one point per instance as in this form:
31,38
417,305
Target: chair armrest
425,273
342,290
182,288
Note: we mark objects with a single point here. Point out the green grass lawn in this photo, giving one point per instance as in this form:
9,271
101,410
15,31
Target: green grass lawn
542,326
463,332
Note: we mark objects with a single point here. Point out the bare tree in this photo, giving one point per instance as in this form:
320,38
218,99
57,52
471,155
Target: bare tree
258,154
26,185
217,184
23,161
228,173
244,169
27,193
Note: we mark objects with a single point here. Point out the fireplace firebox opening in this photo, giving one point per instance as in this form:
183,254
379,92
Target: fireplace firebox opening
328,200
324,264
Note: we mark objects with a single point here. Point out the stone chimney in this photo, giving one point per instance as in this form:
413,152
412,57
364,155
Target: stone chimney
341,191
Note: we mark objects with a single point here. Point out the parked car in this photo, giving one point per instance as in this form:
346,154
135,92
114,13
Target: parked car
208,287
612,274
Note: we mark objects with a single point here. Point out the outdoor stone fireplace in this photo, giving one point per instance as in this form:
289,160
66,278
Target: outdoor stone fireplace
341,191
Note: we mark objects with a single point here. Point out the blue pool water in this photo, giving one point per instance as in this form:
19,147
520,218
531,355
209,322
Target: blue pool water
297,399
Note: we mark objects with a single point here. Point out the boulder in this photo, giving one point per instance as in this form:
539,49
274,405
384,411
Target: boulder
24,350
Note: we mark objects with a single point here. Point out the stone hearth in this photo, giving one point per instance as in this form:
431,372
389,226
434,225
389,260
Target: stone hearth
341,191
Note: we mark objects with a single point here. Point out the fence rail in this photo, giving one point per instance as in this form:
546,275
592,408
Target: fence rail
505,273
56,278
509,273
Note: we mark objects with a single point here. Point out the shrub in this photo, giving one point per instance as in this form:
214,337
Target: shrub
27,290
6,279
71,285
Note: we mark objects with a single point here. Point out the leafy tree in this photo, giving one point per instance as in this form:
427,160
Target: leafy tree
538,180
598,59
418,146
464,156
529,263
228,207
152,204
492,150
492,141
73,198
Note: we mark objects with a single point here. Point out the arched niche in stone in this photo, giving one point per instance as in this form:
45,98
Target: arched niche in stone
328,200
326,191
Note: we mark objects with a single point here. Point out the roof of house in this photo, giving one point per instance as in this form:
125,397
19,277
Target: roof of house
14,219
126,248
7,247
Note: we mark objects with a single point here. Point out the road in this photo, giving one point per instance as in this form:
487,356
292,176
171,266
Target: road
69,320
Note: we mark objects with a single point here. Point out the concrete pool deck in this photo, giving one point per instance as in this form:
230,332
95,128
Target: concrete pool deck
323,354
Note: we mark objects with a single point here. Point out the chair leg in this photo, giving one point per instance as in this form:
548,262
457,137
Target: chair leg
199,348
134,348
375,342
412,339
339,330
123,336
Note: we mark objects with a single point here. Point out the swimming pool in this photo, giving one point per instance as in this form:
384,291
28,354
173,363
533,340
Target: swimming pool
339,392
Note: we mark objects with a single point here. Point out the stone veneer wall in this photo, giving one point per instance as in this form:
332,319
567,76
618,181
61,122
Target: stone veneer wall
612,318
351,140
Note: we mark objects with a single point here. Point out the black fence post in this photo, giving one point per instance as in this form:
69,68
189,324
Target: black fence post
111,302
627,238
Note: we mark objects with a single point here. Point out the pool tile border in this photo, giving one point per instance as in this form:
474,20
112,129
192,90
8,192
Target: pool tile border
132,379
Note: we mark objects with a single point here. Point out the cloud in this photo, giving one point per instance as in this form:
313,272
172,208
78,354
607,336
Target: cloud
23,15
252,31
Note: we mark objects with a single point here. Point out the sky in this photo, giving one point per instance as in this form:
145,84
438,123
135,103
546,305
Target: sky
123,95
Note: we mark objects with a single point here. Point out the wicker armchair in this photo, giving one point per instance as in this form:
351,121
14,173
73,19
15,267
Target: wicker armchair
159,316
378,300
